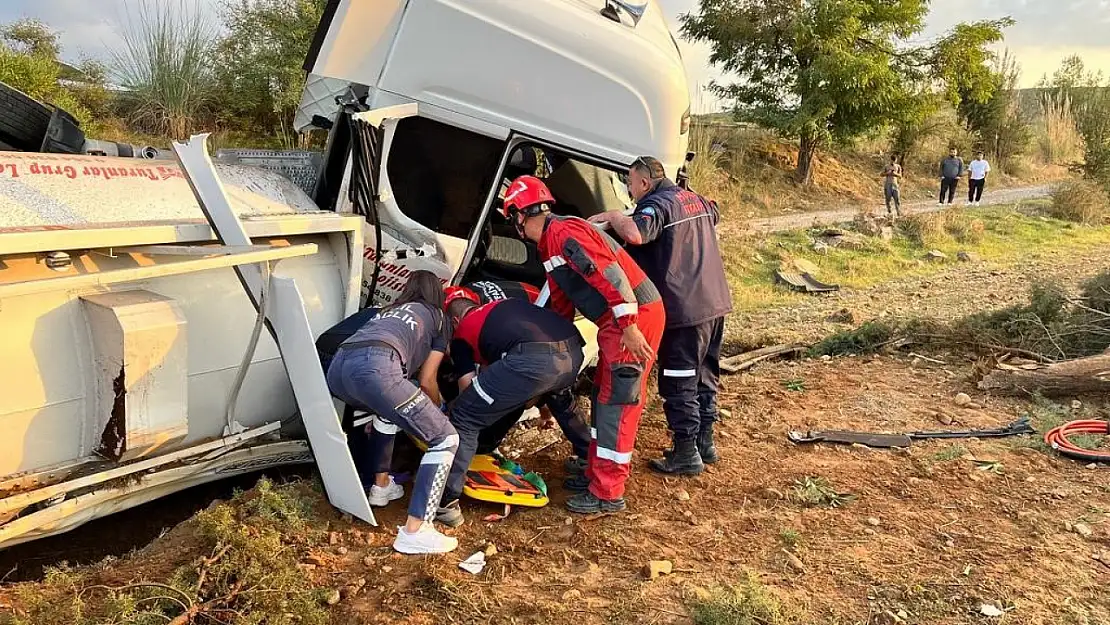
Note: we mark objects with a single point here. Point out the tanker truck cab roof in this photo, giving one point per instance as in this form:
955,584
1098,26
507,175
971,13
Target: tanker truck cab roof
608,82
459,96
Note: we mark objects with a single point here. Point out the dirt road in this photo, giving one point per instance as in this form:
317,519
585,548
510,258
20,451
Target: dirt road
840,215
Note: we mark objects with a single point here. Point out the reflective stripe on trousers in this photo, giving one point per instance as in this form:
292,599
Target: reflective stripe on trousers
618,404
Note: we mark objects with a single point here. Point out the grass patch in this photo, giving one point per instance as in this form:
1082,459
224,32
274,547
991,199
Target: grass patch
746,603
1045,415
999,234
1051,324
950,453
816,492
790,537
796,385
248,574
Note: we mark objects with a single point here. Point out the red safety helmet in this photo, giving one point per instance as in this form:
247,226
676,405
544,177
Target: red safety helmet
528,195
455,293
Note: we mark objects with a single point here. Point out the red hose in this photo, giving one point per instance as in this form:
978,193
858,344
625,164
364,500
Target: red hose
1057,438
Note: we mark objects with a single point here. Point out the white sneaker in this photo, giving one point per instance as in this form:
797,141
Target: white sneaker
381,495
940,203
425,540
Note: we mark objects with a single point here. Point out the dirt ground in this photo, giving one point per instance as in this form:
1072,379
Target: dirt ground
928,535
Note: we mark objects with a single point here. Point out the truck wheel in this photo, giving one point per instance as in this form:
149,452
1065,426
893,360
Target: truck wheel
23,120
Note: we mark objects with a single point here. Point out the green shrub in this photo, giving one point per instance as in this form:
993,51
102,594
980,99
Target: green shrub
1096,292
746,603
1081,201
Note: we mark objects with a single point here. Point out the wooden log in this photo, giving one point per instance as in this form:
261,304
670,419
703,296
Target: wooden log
740,362
1071,377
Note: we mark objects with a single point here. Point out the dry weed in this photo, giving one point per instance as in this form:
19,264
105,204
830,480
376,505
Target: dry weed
1081,201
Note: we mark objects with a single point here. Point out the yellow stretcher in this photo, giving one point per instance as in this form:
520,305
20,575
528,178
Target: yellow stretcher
487,481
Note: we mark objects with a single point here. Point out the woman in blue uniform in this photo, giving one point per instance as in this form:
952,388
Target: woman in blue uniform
372,370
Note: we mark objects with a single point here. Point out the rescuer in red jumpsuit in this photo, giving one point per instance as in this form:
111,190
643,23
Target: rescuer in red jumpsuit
587,270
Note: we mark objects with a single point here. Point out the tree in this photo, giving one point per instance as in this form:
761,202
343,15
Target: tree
29,62
1089,95
258,61
832,70
998,121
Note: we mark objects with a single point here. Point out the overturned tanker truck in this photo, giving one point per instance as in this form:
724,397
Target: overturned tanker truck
154,313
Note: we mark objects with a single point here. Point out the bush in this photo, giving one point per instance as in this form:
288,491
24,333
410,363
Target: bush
1058,140
165,62
924,228
1096,292
29,62
929,229
963,227
868,338
1080,201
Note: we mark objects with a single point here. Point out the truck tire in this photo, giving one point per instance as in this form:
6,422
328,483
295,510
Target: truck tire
23,120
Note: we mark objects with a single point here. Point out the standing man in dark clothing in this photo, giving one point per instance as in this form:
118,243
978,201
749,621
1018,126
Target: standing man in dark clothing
951,169
507,353
672,235
587,270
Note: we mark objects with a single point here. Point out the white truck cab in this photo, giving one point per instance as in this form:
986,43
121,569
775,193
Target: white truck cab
468,94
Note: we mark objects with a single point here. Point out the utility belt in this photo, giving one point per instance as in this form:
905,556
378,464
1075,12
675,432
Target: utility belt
378,344
548,348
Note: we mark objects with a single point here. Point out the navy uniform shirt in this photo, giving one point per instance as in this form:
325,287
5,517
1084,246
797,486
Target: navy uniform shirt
680,254
415,330
493,291
486,333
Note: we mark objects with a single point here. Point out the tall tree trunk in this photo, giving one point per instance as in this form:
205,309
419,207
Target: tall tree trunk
807,155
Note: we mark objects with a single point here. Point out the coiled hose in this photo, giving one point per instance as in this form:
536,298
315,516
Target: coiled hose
1057,438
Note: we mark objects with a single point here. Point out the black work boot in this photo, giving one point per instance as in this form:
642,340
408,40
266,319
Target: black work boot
706,447
577,483
683,460
588,503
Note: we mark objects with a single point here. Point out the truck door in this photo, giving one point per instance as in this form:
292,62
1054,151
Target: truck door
421,185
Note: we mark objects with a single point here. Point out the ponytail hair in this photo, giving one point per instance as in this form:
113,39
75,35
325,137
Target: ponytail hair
423,287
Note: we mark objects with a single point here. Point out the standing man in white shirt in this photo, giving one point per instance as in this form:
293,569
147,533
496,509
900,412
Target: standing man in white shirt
977,178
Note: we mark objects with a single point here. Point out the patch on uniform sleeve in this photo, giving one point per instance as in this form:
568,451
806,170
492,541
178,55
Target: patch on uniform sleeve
647,210
577,255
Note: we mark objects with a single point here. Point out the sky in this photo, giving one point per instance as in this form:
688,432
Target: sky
1046,31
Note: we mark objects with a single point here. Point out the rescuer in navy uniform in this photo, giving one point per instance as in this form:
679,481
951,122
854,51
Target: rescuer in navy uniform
672,236
507,353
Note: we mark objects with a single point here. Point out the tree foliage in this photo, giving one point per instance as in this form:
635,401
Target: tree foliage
1089,95
1003,129
29,62
258,62
832,70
